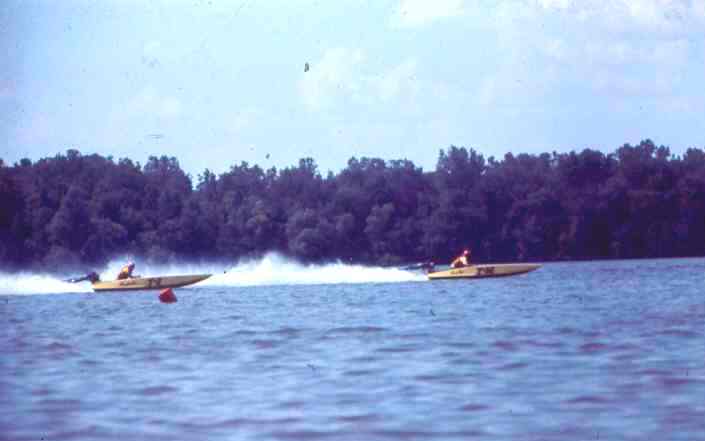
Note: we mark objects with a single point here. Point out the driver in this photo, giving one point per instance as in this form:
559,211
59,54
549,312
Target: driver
462,260
126,271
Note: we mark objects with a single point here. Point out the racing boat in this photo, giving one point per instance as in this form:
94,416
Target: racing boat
147,283
484,270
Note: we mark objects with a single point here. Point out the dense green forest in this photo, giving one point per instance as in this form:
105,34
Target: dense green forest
77,210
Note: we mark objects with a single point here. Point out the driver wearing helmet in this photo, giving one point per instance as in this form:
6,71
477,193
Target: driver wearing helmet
462,260
126,271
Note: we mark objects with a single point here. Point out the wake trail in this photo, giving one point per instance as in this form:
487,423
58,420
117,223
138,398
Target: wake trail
277,270
272,269
28,283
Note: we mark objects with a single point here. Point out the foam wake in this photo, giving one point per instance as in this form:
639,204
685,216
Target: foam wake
273,269
24,283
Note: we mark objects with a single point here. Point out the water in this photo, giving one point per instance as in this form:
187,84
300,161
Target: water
573,351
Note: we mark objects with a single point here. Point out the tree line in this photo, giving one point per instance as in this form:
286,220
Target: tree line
75,210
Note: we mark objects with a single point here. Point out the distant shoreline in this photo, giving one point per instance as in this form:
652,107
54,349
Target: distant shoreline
75,210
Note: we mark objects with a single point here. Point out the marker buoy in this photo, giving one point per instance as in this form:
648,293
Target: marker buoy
167,296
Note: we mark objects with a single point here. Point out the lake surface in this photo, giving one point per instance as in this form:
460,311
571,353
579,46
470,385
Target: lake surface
609,350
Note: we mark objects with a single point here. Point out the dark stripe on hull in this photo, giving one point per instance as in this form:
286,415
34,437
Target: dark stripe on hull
484,276
143,288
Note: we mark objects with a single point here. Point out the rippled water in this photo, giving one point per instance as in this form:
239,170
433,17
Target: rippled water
583,351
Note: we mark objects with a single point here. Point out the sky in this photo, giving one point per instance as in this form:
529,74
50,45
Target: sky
214,83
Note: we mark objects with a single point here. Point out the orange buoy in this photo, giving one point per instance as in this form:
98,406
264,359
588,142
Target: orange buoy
167,296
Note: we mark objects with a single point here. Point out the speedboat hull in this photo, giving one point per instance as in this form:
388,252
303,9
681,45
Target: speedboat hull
149,283
484,271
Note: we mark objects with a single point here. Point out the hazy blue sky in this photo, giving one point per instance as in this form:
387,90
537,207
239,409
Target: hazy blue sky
218,82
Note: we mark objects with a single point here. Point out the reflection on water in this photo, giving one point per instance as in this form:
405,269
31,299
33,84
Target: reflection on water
600,350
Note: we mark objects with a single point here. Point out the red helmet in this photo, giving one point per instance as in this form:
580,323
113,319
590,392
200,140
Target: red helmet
466,252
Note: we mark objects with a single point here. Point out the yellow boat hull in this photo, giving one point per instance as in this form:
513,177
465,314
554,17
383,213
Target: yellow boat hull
149,283
484,271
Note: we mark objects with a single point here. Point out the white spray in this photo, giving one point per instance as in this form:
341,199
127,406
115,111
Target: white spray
272,269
